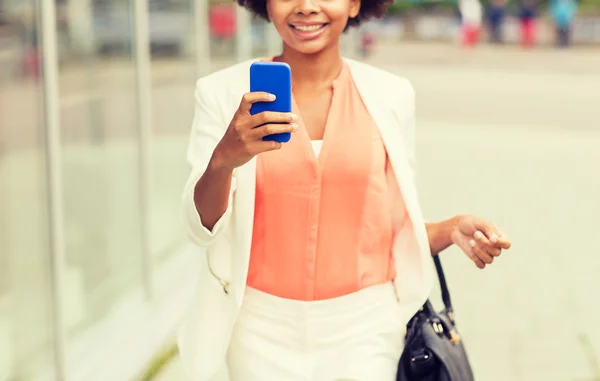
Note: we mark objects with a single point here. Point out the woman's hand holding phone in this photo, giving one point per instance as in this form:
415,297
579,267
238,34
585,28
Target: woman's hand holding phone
244,137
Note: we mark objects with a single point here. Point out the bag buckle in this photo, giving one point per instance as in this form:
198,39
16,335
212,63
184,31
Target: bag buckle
451,333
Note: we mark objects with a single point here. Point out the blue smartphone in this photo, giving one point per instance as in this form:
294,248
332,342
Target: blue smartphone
274,78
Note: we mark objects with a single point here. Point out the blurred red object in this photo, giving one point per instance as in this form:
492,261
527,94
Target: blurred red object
528,33
222,21
470,35
32,63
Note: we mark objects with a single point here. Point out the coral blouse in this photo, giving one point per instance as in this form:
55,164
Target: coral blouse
323,225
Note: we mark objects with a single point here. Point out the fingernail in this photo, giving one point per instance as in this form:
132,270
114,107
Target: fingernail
294,116
472,243
272,97
494,238
294,127
478,234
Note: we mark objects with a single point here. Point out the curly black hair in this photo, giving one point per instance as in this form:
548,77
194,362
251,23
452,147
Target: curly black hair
368,9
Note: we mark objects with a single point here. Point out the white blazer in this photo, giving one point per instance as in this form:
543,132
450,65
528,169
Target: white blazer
206,331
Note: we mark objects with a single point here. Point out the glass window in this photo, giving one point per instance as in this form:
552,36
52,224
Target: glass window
173,51
26,343
100,162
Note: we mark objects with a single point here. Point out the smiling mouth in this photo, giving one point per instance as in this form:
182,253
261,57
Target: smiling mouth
308,28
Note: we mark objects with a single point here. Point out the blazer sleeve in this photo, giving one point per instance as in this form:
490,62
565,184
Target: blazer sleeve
208,128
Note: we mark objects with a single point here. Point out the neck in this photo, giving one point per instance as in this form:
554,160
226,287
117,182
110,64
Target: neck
312,70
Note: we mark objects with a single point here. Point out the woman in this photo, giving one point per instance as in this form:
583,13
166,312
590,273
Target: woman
317,253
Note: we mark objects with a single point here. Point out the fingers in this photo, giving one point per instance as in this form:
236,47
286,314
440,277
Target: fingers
495,236
499,239
480,252
270,129
473,254
503,243
478,262
250,98
267,117
486,245
266,146
483,251
468,245
488,229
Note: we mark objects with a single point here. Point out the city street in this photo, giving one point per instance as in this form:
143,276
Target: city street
514,136
508,134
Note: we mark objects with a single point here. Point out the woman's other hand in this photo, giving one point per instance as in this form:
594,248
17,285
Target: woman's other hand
244,137
481,240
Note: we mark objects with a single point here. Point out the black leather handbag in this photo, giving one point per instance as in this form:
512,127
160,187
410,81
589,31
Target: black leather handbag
433,350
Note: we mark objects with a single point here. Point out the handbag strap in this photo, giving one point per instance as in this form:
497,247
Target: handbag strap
443,284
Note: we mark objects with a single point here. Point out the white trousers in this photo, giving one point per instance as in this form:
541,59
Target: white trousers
357,337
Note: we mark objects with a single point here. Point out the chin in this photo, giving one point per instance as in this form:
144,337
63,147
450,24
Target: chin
309,49
312,47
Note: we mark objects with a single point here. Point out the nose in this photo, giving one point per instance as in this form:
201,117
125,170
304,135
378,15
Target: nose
307,7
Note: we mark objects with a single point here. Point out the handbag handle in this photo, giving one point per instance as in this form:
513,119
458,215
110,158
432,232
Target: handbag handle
443,284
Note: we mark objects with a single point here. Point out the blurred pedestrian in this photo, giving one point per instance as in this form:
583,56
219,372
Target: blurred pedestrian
317,253
528,22
495,14
563,13
471,15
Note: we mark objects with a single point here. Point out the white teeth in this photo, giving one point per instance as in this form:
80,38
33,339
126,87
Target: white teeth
308,28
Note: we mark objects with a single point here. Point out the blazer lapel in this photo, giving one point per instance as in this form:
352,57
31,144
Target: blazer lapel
383,115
